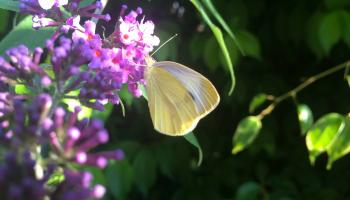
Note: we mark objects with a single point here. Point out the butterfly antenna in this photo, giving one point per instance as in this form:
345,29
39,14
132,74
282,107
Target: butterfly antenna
174,36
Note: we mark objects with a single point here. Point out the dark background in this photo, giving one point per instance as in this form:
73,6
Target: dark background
286,43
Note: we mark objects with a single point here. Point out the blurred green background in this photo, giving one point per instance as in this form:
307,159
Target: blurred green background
285,42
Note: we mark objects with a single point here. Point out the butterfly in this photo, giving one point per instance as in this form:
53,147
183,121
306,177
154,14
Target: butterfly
178,97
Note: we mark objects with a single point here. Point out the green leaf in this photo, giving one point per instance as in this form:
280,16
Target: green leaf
55,179
249,191
23,33
250,44
215,13
97,173
210,55
346,31
348,79
119,175
85,112
4,20
305,117
85,3
21,89
341,143
9,5
322,133
103,115
336,3
219,37
330,30
191,138
257,101
247,130
144,167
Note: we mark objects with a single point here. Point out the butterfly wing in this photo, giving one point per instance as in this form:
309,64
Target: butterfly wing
178,97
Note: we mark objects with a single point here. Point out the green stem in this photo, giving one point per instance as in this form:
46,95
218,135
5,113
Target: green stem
293,92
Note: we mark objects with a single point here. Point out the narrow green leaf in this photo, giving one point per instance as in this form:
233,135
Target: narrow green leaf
305,117
23,33
219,37
322,133
330,30
257,101
341,143
9,5
144,167
191,138
247,130
216,14
119,175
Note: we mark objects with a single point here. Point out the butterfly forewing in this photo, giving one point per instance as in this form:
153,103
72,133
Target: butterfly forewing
178,97
203,92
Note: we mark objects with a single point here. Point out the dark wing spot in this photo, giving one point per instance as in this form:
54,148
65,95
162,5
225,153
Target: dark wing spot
192,96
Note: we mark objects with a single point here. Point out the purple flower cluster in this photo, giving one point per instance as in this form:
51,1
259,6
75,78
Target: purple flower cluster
72,139
82,66
23,67
47,13
77,186
18,179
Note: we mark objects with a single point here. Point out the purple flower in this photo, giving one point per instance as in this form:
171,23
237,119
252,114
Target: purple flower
78,139
77,186
18,179
23,67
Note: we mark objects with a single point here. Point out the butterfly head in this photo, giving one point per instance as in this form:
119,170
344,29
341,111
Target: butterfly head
149,61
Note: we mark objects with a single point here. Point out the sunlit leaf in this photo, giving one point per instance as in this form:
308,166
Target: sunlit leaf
219,37
55,179
9,5
191,138
305,117
144,167
330,30
348,79
257,101
23,33
73,103
119,175
247,130
21,89
216,14
341,143
322,133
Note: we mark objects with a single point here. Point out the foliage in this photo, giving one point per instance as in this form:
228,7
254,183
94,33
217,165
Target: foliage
283,43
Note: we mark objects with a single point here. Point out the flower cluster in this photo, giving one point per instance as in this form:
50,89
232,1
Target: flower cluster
75,63
18,179
77,185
